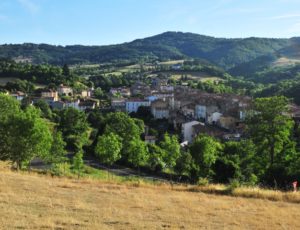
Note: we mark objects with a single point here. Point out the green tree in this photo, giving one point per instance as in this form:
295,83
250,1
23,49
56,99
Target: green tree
57,152
74,127
108,148
237,161
8,106
24,136
78,163
137,153
45,109
205,150
270,127
171,147
184,164
156,157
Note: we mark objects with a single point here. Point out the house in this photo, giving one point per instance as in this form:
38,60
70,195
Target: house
49,94
65,90
133,104
188,132
122,91
86,93
18,95
150,139
118,104
160,109
228,122
140,88
188,110
87,104
158,82
214,118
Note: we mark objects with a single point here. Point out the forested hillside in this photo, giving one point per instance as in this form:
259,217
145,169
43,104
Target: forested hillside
227,53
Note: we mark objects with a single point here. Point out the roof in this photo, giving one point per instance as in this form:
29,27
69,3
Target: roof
150,138
136,100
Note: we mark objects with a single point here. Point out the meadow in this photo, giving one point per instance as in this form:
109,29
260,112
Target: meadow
33,201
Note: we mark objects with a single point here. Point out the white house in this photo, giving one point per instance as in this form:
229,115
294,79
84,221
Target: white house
132,105
214,118
187,131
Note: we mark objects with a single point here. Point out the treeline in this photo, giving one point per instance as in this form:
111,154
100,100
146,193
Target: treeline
43,74
269,155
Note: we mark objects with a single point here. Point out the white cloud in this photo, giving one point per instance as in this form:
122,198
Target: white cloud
29,5
285,16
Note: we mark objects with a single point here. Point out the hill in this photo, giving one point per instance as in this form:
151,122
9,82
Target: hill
226,53
30,201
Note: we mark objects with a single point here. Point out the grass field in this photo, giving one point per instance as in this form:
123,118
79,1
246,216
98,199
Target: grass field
201,76
31,201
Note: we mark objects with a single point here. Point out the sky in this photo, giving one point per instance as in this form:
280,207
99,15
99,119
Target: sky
103,22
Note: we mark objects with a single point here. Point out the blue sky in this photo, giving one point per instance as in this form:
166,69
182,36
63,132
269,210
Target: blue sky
100,22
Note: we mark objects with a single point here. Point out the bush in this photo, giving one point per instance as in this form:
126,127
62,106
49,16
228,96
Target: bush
233,184
203,181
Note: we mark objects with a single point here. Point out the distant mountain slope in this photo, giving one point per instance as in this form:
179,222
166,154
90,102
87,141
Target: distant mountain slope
227,53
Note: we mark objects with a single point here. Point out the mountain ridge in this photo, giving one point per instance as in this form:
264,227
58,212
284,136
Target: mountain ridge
225,52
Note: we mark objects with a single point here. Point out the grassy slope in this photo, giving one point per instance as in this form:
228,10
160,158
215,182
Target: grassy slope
41,202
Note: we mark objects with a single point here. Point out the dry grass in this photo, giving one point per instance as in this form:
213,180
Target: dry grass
30,201
285,61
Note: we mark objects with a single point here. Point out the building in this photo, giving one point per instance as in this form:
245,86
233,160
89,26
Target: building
188,132
18,95
133,104
150,139
122,91
65,90
118,104
87,105
86,93
160,109
47,94
140,88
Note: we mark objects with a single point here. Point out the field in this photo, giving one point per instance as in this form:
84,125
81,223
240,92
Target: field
31,201
284,61
201,76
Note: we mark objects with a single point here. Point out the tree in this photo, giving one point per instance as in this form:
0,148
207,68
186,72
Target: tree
8,106
24,136
66,70
108,148
78,162
184,164
156,157
45,109
125,127
270,128
57,152
74,127
137,153
205,150
171,147
236,161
